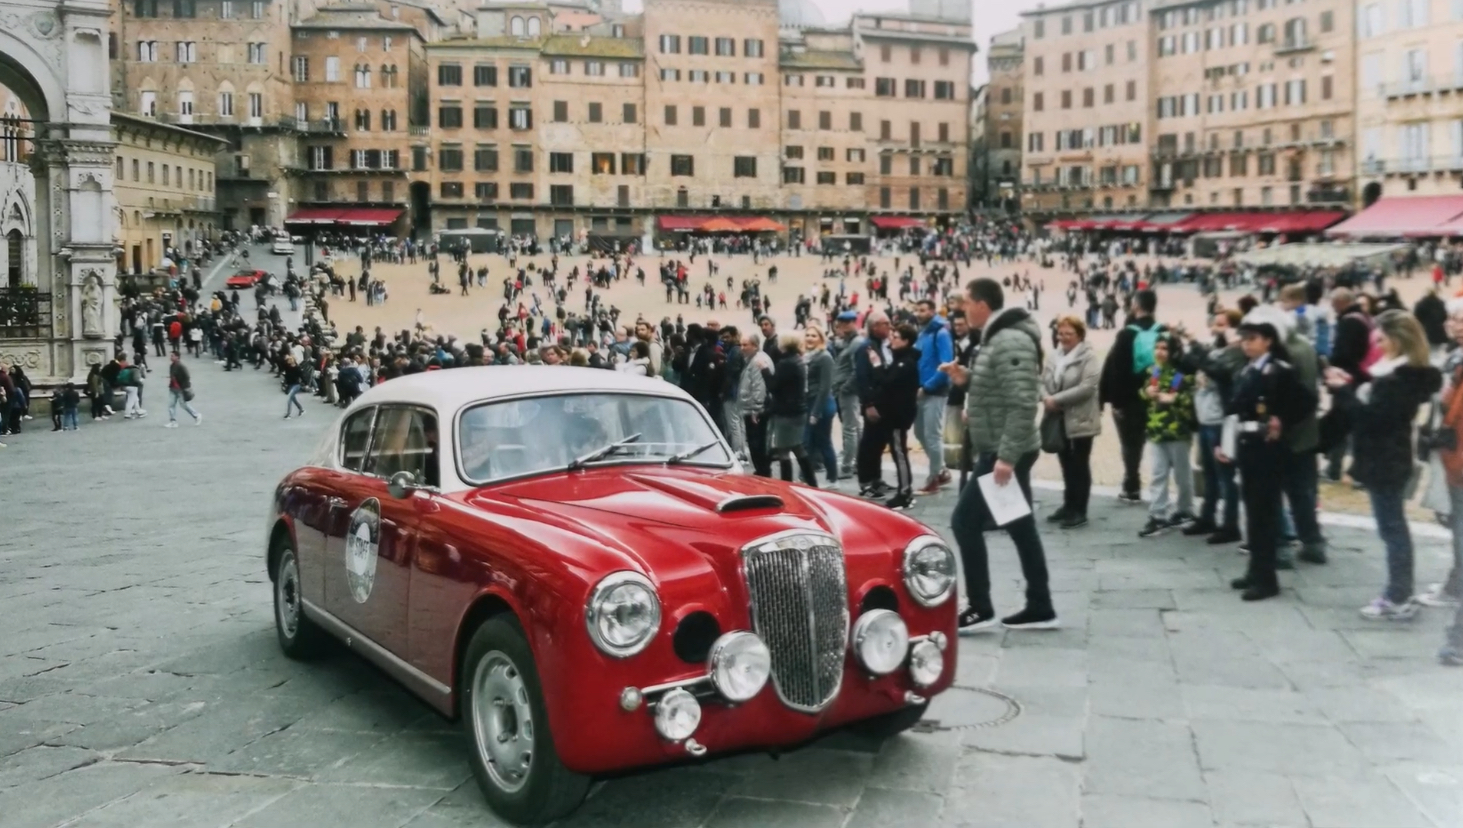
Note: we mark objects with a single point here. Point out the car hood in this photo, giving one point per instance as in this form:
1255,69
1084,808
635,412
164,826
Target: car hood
685,520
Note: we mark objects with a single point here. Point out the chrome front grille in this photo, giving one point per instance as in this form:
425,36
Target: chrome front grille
799,597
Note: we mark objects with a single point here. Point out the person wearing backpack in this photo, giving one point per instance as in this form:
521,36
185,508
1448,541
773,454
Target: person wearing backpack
1124,375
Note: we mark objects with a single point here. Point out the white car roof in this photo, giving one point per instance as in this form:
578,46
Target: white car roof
449,390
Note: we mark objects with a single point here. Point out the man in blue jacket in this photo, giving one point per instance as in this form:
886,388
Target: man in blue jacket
935,349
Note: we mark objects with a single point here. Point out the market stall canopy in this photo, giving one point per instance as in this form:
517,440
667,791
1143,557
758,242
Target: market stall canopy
1162,222
1314,255
1405,216
896,222
717,224
1303,221
762,225
720,225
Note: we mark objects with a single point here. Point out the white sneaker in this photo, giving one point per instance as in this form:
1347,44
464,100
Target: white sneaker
141,413
198,420
171,424
1437,597
1384,610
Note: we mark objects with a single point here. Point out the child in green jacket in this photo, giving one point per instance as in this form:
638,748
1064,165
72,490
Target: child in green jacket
1170,396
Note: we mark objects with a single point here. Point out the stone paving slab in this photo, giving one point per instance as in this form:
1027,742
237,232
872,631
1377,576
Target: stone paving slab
141,684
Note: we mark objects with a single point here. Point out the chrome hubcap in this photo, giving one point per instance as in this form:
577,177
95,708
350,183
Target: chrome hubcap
287,595
502,721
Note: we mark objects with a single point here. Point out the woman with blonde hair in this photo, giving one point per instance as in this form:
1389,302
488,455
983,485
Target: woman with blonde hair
1381,413
818,434
788,407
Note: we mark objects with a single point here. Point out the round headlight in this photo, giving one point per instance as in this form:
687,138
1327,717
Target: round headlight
740,665
880,640
623,614
926,663
929,571
677,715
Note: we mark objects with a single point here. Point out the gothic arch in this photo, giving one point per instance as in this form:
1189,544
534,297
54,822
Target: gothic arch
27,73
17,215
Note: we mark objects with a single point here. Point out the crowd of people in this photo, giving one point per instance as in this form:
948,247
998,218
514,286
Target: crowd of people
1276,388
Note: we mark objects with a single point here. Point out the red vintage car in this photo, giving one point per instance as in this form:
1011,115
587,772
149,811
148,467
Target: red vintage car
573,562
245,279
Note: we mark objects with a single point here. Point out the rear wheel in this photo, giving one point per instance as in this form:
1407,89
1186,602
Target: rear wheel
298,636
513,756
891,724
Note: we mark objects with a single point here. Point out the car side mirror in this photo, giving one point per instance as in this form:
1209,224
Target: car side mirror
402,484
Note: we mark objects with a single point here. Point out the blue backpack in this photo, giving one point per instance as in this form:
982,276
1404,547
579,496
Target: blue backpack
1143,342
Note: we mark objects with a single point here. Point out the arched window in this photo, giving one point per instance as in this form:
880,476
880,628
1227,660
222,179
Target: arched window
388,76
15,251
534,27
363,76
515,27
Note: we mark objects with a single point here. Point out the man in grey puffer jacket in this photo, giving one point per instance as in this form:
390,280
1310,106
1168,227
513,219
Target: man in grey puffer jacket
1003,386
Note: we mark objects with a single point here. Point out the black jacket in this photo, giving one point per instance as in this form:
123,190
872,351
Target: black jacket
1433,315
1119,385
896,388
1381,427
787,393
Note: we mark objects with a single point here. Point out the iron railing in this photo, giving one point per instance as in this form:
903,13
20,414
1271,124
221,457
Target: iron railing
25,313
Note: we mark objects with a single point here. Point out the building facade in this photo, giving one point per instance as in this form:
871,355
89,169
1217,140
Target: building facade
1252,104
1409,98
1003,123
165,180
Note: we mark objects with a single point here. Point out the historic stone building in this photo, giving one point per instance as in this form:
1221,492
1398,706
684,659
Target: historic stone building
165,184
1002,122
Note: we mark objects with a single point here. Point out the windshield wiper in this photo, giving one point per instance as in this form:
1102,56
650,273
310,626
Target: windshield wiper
602,453
687,455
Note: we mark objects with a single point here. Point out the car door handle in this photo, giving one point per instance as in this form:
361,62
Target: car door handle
336,502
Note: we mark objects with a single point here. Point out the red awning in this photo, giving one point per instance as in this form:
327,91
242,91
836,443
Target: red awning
1404,216
761,224
1300,222
314,215
1060,224
370,216
896,222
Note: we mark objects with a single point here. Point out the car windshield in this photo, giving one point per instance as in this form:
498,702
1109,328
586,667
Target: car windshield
537,434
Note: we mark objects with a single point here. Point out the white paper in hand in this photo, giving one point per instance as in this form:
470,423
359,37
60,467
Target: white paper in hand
1229,437
1006,503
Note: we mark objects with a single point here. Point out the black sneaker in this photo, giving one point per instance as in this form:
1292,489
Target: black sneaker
1312,553
1030,619
1074,521
1130,498
875,491
900,502
1200,527
1058,516
972,622
1180,518
1224,536
1153,528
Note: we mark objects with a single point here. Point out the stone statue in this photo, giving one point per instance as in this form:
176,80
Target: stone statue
91,308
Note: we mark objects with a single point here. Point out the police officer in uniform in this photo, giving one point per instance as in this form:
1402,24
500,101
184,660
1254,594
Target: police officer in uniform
1268,399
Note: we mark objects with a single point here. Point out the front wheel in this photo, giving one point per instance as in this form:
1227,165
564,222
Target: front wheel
893,723
298,636
513,756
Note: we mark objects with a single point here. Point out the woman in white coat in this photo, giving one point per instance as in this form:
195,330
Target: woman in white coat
1069,389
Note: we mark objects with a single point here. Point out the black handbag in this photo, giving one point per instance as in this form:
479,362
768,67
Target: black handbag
1434,436
1053,432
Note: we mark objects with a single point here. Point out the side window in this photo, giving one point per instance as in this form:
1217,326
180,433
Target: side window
405,440
355,438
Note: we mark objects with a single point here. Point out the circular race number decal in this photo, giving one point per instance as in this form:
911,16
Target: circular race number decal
362,543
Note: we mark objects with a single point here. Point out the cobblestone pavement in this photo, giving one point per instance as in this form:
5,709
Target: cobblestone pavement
141,685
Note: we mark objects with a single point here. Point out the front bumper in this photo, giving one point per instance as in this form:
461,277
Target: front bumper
618,728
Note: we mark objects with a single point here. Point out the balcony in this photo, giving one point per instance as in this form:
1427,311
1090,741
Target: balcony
1324,193
199,204
1452,163
1421,87
1294,45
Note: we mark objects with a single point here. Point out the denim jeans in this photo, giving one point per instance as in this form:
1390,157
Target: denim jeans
1299,482
929,430
175,398
290,400
851,427
818,440
968,520
1218,480
1076,462
1131,422
1387,508
68,420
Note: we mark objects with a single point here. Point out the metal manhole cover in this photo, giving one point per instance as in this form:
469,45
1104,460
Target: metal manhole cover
968,708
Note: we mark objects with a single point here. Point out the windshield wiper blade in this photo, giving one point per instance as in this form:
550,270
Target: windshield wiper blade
687,455
602,453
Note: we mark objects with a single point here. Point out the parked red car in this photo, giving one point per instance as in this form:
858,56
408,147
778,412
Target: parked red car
245,279
573,562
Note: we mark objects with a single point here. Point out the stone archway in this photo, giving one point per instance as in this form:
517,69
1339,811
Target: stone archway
59,194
